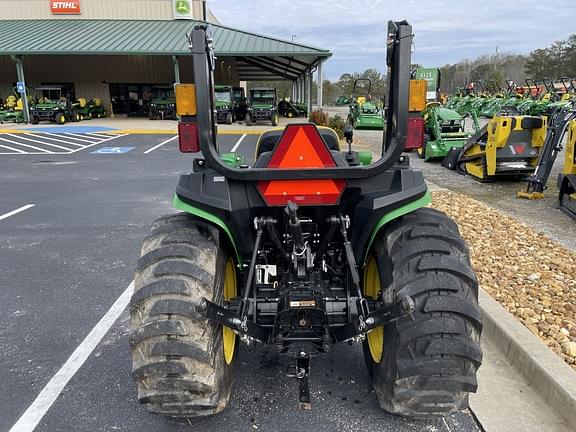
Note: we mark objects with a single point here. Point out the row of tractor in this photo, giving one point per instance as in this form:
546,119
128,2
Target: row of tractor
521,140
53,104
535,98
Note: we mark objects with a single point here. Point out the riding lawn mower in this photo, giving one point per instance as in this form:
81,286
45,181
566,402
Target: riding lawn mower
306,248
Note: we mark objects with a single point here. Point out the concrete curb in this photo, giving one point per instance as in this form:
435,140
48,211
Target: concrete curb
549,375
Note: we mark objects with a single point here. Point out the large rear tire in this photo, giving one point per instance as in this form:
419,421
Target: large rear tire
178,358
424,365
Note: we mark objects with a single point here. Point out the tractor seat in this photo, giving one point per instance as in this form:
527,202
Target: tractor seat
268,140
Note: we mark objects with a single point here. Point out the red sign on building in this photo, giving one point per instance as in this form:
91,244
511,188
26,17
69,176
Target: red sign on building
62,7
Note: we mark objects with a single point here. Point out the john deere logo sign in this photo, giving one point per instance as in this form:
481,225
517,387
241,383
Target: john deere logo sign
183,9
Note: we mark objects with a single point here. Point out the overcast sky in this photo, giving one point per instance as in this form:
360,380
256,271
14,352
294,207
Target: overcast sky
446,31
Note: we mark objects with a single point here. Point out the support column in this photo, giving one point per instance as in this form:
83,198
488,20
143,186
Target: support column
176,69
309,88
320,85
302,81
24,96
293,92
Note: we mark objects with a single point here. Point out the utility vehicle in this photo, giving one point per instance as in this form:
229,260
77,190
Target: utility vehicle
308,247
54,105
225,108
163,103
262,106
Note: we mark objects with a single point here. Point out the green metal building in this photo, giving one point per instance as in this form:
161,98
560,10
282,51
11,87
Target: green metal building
105,49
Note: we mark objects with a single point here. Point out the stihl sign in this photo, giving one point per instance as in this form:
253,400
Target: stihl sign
65,7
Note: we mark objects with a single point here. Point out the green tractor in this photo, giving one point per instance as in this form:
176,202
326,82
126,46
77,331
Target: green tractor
11,110
287,108
364,114
224,96
304,249
91,109
445,129
54,105
163,103
262,106
343,101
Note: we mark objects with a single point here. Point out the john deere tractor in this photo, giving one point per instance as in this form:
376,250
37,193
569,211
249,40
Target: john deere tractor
163,103
445,129
262,106
364,114
90,109
306,248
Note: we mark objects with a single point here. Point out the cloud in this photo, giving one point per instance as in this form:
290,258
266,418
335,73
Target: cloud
445,31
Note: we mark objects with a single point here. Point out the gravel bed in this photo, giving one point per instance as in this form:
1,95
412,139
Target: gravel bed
531,275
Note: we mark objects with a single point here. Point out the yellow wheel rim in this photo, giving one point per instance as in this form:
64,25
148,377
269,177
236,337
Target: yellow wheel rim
228,336
420,151
372,289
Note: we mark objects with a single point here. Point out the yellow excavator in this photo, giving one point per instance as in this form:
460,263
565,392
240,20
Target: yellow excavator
567,179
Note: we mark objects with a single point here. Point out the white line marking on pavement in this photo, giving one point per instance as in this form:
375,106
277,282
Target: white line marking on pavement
39,142
35,412
160,145
98,135
60,140
80,137
101,142
26,145
238,143
14,212
13,149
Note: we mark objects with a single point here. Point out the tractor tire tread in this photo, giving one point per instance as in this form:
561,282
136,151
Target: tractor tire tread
178,363
430,358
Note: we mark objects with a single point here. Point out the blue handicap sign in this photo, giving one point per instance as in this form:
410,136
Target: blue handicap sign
20,87
113,150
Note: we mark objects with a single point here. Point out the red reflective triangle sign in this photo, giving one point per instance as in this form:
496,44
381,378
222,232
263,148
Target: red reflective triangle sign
301,147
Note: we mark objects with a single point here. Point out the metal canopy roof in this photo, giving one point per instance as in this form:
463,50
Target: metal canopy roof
258,57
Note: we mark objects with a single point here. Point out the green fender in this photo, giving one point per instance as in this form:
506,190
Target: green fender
395,214
209,217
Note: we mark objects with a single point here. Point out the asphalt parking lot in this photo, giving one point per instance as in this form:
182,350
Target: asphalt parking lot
74,209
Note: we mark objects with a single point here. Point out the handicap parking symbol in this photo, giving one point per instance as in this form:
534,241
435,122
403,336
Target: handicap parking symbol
113,150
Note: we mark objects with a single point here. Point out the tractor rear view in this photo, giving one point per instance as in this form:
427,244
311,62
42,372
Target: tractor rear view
309,247
364,114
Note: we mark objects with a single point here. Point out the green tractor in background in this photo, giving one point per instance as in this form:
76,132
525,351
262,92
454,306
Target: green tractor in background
287,108
444,129
54,105
224,96
364,114
11,110
343,101
163,103
262,106
90,109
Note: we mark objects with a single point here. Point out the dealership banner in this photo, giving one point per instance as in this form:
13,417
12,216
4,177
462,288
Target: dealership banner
59,7
183,9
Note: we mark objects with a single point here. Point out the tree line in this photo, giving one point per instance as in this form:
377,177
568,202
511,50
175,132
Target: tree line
487,72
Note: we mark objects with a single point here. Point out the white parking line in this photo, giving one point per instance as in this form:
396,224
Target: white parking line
160,145
100,142
12,149
98,135
35,412
26,145
73,135
15,212
39,142
238,143
60,140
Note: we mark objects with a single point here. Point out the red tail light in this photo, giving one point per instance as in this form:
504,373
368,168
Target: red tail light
301,147
415,138
188,139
